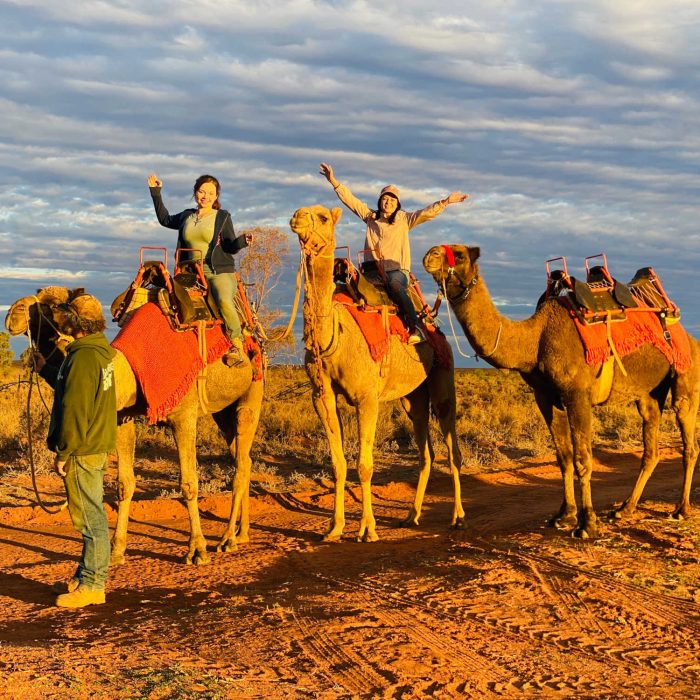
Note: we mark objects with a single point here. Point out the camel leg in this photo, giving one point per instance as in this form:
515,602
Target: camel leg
417,407
580,418
685,405
558,423
326,407
247,414
650,410
185,431
126,442
367,413
446,412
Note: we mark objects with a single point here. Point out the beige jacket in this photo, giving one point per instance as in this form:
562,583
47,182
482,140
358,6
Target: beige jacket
388,242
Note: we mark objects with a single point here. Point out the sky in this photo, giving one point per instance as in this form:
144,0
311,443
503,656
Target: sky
573,125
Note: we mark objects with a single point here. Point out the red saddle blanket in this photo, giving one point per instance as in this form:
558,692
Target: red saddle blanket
378,340
165,362
627,336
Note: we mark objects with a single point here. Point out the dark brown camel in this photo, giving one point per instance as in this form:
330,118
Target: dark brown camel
548,353
234,400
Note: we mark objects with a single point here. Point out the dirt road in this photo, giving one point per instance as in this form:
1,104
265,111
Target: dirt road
506,608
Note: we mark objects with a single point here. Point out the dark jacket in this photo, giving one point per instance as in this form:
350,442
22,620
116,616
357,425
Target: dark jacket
84,413
224,244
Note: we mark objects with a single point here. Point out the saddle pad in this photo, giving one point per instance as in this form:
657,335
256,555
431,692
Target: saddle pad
627,336
165,362
372,326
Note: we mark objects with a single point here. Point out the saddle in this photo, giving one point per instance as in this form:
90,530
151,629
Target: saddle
367,287
601,298
184,298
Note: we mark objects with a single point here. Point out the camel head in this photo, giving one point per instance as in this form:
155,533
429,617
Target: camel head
40,316
453,266
315,227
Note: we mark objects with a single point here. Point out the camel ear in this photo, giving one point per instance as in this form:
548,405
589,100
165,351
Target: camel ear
474,253
336,213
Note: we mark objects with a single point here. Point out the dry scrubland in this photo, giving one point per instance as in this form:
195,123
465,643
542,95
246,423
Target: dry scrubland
497,421
504,608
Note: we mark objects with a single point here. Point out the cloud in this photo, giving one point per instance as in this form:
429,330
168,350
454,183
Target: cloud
574,126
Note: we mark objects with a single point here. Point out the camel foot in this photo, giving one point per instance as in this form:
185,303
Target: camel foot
679,514
117,559
411,520
588,532
460,523
227,546
368,537
566,522
624,511
198,558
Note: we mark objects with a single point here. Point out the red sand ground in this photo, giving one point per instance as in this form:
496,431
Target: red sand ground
506,608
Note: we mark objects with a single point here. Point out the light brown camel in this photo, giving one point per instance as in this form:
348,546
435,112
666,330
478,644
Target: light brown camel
338,362
548,353
234,401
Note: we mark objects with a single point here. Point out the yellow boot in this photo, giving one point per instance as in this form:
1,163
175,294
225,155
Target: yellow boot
80,597
235,355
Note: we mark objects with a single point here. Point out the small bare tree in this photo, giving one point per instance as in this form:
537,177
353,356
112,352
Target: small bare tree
261,269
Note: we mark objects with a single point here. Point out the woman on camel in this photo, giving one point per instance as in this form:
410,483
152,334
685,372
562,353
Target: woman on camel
386,238
209,229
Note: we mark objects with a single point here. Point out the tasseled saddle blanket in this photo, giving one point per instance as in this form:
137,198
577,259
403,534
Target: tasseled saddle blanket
377,329
628,335
166,363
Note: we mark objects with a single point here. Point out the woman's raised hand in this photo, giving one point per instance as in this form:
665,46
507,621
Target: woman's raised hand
327,171
456,197
153,181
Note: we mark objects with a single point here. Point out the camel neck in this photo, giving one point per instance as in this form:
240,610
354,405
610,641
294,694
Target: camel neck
502,343
318,300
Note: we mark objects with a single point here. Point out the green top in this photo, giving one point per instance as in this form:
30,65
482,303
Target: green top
199,234
84,414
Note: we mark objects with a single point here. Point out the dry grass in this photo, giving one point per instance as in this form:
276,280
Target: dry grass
497,422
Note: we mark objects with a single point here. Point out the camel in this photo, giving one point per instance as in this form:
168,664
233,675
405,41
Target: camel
234,400
548,353
338,362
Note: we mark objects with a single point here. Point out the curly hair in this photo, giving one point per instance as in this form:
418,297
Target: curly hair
70,322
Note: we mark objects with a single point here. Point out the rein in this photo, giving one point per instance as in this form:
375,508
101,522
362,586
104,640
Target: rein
295,305
466,289
50,509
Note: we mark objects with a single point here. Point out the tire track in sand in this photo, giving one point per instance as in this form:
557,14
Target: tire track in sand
340,665
483,674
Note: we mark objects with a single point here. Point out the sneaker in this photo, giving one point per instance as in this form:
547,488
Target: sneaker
234,356
80,597
415,337
67,586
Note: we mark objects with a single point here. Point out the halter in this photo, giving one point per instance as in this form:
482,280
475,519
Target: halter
466,287
316,241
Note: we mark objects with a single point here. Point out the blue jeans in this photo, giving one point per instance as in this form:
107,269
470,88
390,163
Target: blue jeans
225,290
398,291
84,485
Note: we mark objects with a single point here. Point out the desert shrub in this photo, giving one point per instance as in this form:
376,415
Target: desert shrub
6,353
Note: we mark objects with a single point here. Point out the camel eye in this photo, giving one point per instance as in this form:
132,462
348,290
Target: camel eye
323,218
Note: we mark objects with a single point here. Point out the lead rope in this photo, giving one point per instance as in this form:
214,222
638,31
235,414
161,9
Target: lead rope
50,509
202,375
454,335
295,305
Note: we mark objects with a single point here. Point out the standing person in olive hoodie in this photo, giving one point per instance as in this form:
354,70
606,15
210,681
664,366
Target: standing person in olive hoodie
82,432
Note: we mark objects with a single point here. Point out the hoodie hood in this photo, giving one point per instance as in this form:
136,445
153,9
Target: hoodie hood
95,341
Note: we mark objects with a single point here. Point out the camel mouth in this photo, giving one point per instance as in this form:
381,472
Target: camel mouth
433,263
